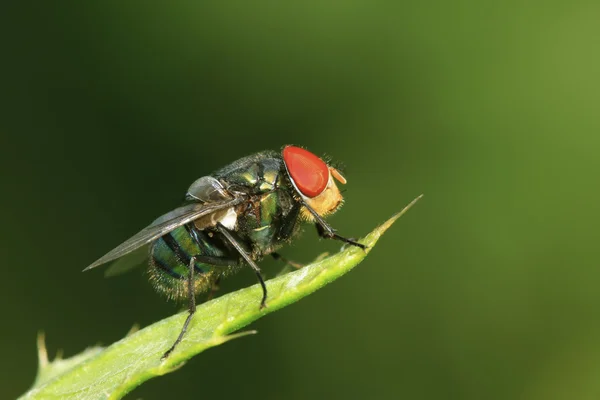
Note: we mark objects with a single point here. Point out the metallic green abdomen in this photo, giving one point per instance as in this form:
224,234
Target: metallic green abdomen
170,258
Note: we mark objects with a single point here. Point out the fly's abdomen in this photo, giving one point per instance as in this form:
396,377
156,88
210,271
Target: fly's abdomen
170,258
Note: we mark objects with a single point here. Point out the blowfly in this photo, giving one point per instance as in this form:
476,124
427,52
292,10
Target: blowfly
233,218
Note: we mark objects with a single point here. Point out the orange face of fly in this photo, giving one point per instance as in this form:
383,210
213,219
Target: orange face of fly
314,181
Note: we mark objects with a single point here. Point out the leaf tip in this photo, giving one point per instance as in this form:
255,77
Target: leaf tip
385,226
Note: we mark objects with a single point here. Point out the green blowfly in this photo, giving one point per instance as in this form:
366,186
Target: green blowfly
232,218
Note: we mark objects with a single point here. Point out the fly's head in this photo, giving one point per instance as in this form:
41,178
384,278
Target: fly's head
314,181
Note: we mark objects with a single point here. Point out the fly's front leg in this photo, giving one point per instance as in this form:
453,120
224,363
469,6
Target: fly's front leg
326,231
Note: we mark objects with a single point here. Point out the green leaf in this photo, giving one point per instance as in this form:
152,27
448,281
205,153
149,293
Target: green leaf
112,372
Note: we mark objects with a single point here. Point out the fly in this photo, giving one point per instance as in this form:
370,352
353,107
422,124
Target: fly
230,219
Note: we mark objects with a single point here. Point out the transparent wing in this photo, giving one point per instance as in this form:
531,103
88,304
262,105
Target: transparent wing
128,262
163,225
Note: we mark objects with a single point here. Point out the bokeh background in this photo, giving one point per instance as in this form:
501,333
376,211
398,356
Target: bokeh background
487,289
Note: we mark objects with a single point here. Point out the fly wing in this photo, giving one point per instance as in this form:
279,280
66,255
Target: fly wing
128,262
163,225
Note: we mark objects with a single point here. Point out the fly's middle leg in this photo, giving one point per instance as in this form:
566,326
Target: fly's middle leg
294,264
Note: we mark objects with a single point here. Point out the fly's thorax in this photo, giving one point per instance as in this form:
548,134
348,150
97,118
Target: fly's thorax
268,217
254,175
268,220
247,163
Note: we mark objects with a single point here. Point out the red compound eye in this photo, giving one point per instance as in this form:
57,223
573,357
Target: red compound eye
309,172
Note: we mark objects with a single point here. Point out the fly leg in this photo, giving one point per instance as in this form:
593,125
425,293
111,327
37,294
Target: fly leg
214,287
289,265
212,260
217,263
191,307
326,231
248,259
294,264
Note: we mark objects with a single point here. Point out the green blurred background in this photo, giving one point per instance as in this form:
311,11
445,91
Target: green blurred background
487,289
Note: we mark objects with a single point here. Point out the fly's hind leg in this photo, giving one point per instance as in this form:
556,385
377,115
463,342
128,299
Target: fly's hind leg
191,307
217,262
